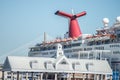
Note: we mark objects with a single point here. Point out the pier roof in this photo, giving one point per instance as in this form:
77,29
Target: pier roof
37,64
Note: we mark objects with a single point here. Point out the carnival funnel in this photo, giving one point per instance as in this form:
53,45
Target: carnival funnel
74,29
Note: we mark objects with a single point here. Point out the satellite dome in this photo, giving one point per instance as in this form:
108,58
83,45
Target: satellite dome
118,19
105,20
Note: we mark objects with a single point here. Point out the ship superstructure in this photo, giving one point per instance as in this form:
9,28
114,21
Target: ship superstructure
74,42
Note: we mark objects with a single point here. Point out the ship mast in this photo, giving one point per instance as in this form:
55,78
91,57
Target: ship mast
44,38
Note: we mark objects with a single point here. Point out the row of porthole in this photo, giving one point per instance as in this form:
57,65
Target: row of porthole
114,45
116,52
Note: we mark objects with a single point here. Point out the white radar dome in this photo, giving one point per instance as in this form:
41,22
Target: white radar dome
105,20
118,19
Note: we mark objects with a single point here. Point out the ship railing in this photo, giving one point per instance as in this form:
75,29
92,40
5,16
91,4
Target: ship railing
47,79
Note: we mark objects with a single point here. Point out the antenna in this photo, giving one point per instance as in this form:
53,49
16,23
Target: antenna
44,37
72,11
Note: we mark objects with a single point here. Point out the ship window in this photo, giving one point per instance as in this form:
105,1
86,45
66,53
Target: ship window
85,55
99,48
80,49
75,55
84,49
75,50
114,45
54,47
90,54
81,55
31,49
118,35
113,59
80,38
49,48
35,49
107,41
51,52
116,52
67,51
69,46
45,53
76,44
87,49
98,42
65,46
43,48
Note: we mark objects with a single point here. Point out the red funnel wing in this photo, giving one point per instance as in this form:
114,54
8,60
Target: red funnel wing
81,14
63,14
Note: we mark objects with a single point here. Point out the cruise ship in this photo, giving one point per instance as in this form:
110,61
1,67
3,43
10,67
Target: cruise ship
79,46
